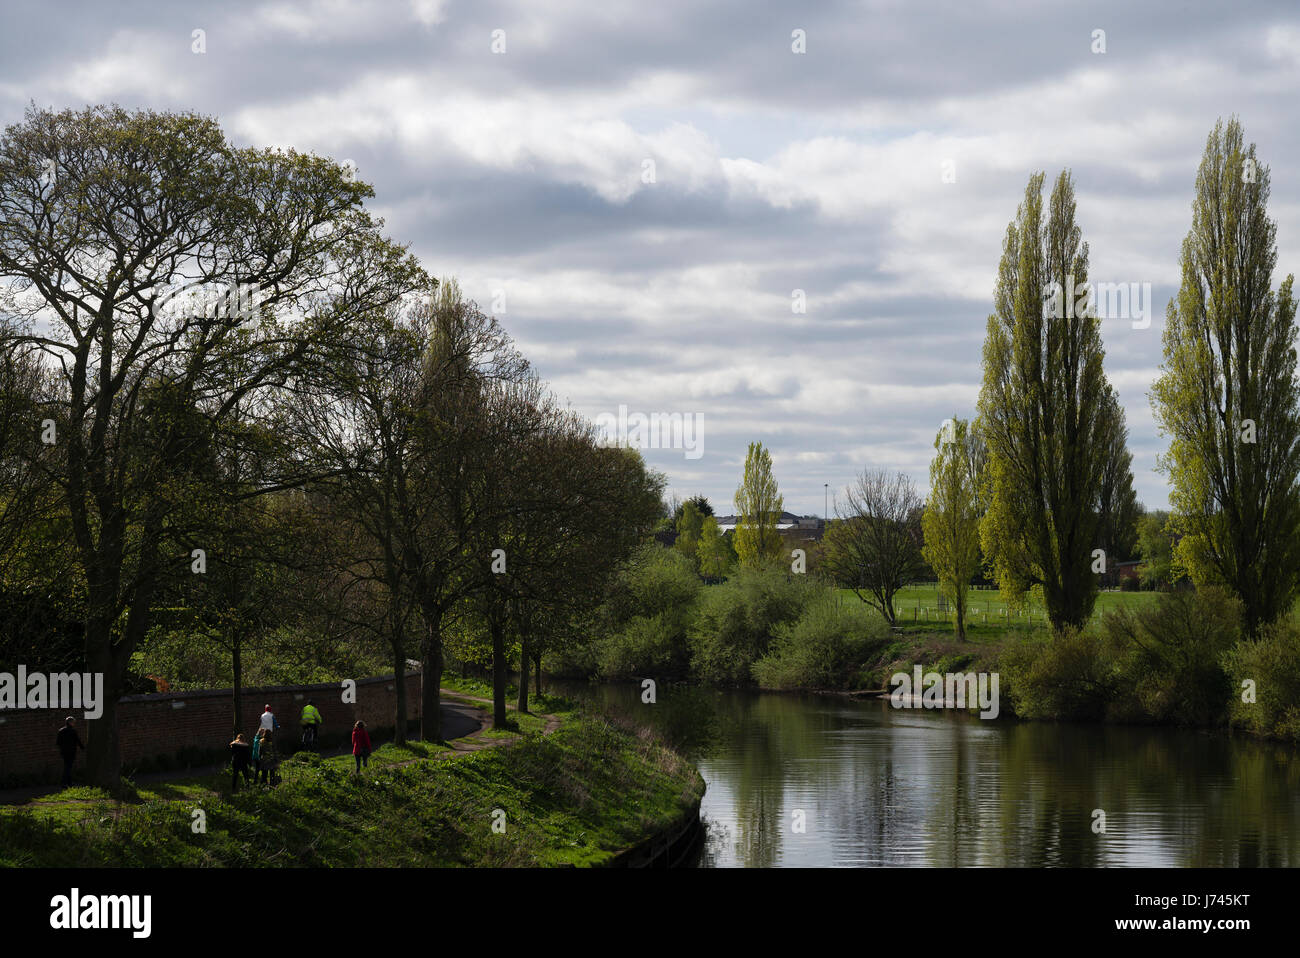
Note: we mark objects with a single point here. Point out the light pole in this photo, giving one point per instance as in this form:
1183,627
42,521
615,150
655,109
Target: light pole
826,498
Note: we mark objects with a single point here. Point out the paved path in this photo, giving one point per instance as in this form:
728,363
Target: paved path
459,721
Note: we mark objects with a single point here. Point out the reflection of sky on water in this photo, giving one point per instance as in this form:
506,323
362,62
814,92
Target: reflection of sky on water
882,787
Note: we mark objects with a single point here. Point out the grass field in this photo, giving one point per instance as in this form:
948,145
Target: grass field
921,609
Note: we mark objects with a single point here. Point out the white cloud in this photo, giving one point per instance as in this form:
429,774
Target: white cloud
675,295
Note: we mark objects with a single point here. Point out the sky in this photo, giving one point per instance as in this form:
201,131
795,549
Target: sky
646,194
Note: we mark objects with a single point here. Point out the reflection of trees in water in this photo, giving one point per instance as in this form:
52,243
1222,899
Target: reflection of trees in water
884,787
1171,796
757,793
953,792
685,715
1050,785
1249,815
717,838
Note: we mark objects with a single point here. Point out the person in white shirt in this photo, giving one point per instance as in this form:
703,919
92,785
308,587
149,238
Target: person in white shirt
269,721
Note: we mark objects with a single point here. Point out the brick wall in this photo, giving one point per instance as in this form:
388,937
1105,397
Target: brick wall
153,727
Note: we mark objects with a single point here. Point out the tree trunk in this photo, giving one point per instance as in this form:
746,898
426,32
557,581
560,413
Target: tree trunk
522,704
103,752
538,660
397,639
430,680
237,667
500,675
399,679
113,659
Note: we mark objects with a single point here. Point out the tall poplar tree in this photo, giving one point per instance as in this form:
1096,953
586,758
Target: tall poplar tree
1049,418
952,513
758,509
1228,396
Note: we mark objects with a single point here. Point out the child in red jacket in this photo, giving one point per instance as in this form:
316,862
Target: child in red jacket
360,745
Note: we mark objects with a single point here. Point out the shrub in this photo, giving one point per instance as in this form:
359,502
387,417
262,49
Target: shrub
653,644
641,626
1272,663
824,647
1066,675
736,620
1169,657
655,581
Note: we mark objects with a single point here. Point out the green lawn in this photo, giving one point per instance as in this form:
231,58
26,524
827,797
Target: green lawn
918,608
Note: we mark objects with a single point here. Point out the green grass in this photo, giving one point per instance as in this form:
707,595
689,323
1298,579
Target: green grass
576,797
517,724
928,637
472,686
989,618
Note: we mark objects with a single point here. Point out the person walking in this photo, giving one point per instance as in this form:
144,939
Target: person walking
240,751
268,721
68,741
311,722
268,759
360,745
257,753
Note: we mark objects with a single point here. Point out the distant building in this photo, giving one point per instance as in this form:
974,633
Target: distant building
1129,570
792,528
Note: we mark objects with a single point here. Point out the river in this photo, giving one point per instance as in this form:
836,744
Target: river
811,780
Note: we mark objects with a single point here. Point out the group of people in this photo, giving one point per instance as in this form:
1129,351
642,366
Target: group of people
258,759
262,758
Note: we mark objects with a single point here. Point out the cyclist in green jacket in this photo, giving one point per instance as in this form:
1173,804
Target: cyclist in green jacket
311,722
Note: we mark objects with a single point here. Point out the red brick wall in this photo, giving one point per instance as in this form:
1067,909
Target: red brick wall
160,725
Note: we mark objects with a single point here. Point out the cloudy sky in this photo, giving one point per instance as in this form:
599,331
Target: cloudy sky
640,188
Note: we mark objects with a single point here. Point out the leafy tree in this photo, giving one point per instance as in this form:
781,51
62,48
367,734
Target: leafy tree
689,526
500,534
702,504
41,592
758,507
248,539
1156,547
359,429
1117,505
874,546
473,404
953,512
1228,396
140,203
1052,424
578,510
715,554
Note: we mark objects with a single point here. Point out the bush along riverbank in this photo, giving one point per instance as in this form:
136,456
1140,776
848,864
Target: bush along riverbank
1180,658
585,793
1183,660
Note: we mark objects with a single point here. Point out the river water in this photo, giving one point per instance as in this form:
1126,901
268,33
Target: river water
807,780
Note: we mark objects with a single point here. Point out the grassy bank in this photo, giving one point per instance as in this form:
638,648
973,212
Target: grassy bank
574,797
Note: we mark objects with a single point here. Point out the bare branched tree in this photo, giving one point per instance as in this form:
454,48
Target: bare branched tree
874,547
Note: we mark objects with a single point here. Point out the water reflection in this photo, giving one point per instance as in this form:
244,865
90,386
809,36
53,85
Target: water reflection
878,786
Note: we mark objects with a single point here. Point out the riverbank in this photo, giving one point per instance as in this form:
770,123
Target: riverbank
1181,663
578,791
